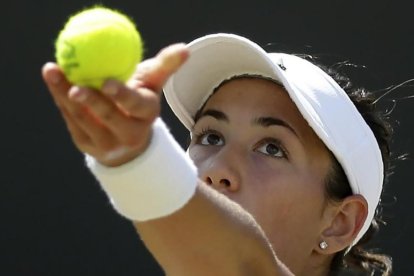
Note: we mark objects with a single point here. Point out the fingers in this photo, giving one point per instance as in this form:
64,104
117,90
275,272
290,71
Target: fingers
136,99
153,73
55,81
138,102
140,98
114,125
58,87
111,120
80,138
84,126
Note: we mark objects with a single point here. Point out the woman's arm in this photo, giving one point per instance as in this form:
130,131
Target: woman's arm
210,234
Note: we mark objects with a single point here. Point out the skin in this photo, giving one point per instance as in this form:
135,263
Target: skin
276,172
114,126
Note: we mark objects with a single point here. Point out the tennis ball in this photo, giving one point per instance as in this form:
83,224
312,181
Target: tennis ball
96,44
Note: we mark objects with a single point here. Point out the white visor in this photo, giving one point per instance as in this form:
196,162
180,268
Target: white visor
321,101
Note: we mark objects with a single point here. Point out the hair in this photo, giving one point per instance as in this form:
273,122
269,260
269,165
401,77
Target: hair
358,258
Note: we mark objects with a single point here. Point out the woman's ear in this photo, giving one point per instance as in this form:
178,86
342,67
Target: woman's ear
345,223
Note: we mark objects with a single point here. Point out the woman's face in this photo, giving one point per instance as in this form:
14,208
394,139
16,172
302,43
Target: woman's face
251,143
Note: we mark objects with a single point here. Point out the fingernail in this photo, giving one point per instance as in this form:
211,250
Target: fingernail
77,94
55,77
110,88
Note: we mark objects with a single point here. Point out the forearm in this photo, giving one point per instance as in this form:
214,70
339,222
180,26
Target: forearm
210,234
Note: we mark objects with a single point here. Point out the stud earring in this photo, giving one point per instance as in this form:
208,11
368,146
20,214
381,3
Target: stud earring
323,245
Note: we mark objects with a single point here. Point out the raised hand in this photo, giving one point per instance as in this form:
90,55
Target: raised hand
114,125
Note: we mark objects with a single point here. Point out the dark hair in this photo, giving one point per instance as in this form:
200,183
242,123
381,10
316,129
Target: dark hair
359,258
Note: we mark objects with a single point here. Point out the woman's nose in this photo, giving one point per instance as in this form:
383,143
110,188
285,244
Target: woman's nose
223,172
222,184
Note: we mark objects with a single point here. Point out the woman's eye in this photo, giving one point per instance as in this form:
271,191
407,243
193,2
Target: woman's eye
272,149
211,139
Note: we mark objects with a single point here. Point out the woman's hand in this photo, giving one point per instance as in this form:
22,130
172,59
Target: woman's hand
114,125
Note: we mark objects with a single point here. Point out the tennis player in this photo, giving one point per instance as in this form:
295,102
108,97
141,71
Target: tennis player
283,174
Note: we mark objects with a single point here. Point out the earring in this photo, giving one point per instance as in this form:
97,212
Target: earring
323,245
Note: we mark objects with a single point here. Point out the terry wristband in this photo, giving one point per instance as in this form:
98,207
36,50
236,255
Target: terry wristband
155,184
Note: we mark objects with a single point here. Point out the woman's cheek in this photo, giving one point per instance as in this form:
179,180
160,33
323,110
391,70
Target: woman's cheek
264,166
197,154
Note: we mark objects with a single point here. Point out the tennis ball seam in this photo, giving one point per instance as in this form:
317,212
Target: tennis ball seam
72,59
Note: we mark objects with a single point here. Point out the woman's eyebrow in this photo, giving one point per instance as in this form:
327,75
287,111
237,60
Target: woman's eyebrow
272,121
218,115
261,121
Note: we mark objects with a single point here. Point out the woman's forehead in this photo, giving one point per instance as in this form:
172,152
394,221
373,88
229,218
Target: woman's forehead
245,100
244,92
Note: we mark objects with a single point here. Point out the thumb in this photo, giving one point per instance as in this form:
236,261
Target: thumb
153,73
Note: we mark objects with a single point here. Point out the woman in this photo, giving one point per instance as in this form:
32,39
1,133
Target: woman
294,169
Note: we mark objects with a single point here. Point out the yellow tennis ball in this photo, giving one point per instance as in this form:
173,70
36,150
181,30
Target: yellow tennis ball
97,44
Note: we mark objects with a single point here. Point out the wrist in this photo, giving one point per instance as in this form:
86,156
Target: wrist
156,183
125,154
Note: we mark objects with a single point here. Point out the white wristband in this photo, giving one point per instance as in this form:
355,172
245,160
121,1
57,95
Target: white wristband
155,184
